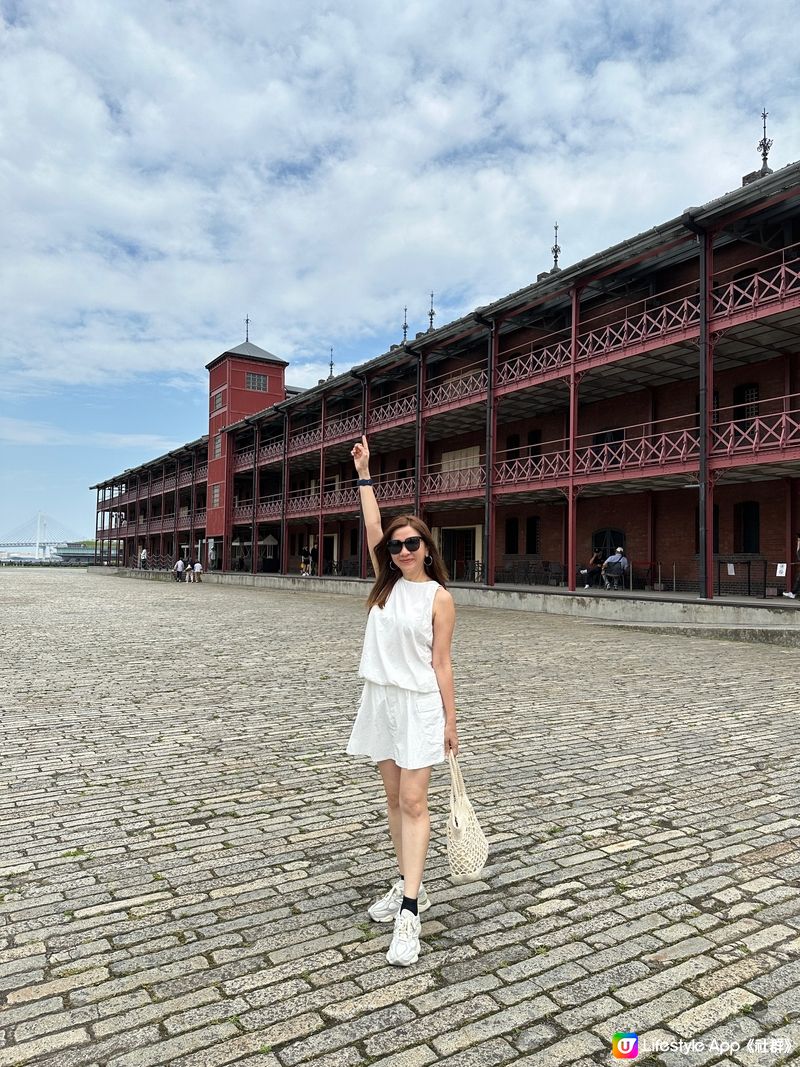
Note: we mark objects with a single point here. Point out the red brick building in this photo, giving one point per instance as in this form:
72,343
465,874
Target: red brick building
648,396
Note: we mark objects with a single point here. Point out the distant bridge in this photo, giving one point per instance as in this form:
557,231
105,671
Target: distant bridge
41,531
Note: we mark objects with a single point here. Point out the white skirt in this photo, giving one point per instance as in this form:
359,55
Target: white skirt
399,724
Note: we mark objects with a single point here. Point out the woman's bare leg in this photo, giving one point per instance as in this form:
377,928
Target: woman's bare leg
390,773
416,826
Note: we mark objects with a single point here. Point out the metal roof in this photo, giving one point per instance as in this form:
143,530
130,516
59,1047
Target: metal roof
249,351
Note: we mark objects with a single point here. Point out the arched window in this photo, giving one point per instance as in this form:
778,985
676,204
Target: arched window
607,541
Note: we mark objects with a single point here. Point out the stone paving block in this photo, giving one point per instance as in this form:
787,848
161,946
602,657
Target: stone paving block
494,1025
184,872
703,1016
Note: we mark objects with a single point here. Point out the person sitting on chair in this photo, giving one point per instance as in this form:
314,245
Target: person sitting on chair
593,569
615,569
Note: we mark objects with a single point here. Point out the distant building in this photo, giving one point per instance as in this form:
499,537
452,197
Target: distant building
648,396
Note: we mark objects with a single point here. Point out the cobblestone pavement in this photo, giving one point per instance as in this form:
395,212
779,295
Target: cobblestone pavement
186,855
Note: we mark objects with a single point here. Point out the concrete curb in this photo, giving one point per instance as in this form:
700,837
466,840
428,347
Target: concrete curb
777,624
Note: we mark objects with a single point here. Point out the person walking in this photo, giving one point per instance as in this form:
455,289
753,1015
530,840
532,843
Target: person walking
143,559
198,571
406,720
178,569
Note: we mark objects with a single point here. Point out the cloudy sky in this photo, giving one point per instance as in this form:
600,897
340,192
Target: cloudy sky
167,168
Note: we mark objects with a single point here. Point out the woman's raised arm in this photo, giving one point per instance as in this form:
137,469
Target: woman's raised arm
369,504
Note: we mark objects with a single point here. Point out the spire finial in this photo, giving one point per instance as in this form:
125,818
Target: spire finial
331,364
247,328
556,249
764,144
431,314
405,324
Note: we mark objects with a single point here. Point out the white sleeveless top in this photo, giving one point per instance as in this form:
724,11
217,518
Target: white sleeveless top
398,643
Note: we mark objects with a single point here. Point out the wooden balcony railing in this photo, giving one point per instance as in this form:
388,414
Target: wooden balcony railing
552,462
344,497
394,408
343,426
310,437
302,502
465,384
270,450
243,461
269,508
765,428
764,281
390,489
454,482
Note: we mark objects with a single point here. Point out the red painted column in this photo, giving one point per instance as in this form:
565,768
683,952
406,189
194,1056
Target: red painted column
285,498
254,535
161,520
706,481
572,511
490,506
419,443
321,521
96,517
364,550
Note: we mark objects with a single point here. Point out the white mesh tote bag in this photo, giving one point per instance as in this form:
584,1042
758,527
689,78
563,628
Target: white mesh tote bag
467,848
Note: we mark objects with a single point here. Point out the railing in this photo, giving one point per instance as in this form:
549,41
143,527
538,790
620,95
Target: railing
550,460
243,512
271,450
302,502
244,460
657,319
462,384
306,438
201,473
769,425
534,358
200,518
394,488
343,496
185,478
436,482
642,446
773,278
399,405
270,507
343,425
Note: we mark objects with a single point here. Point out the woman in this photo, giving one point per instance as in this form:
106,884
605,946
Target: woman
406,720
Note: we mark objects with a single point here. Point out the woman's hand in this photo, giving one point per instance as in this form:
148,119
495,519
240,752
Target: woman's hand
360,454
450,738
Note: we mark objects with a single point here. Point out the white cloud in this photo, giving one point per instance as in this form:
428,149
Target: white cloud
166,169
30,433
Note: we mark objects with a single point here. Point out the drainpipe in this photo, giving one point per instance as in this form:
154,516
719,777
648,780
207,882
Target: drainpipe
285,498
572,510
706,499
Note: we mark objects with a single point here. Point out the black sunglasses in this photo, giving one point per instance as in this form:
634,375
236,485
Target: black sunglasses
411,543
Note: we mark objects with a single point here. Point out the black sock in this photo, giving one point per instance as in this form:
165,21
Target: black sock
410,904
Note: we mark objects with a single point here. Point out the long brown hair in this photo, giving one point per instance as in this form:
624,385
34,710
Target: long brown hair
388,576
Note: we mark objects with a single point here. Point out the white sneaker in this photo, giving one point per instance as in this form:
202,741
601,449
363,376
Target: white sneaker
791,596
586,587
404,949
386,909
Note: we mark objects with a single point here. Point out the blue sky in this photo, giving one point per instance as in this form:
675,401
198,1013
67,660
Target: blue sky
167,169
